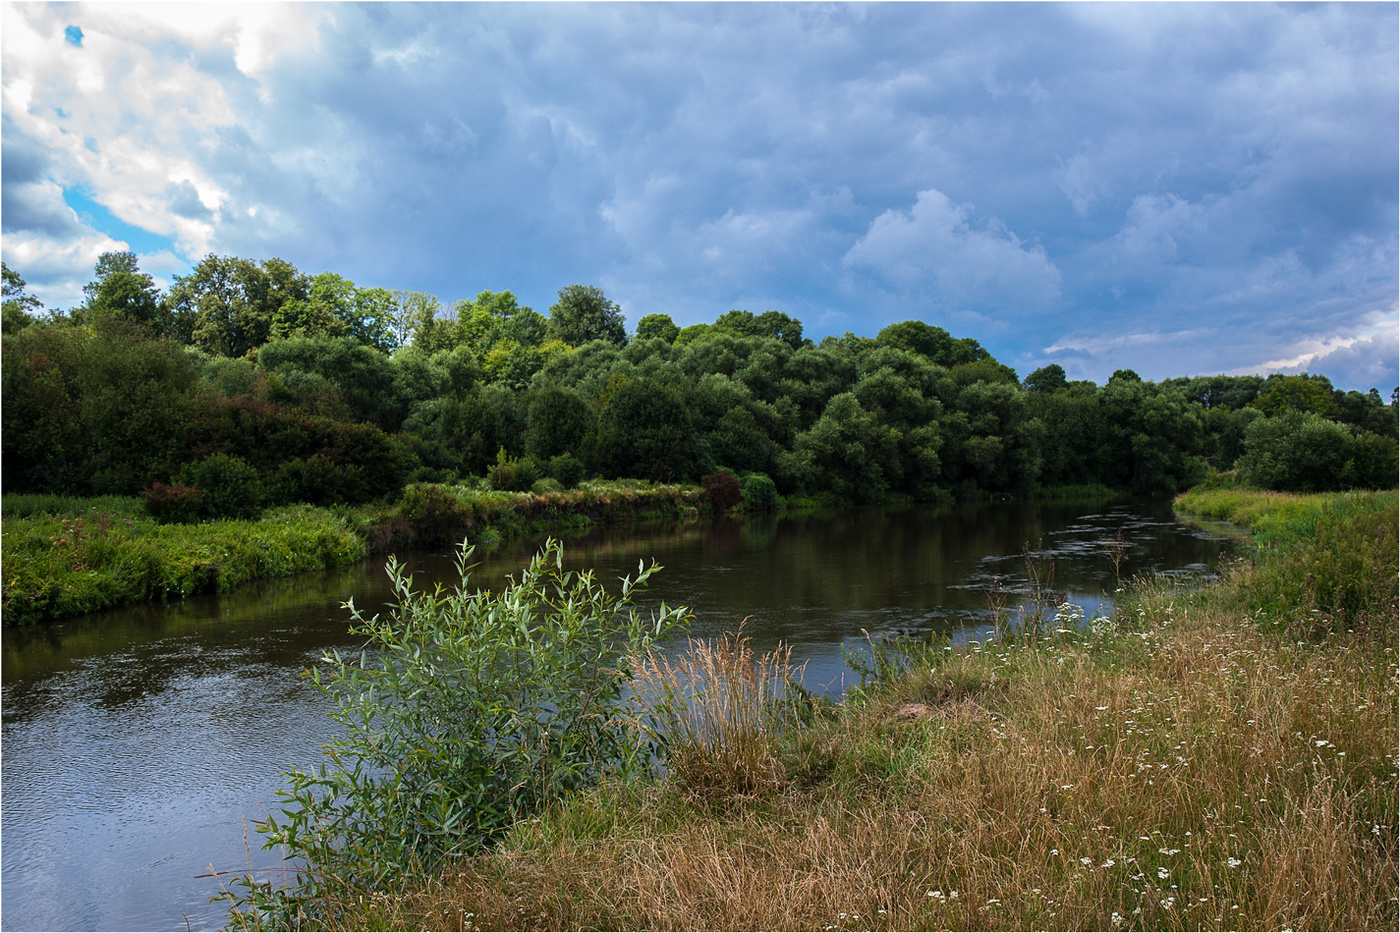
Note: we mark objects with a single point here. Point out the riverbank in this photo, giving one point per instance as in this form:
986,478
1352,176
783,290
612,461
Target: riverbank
1213,758
64,557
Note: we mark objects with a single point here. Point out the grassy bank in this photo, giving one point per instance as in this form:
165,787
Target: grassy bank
66,556
1217,759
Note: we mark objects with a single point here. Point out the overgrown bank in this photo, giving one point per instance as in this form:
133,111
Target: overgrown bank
1220,758
65,557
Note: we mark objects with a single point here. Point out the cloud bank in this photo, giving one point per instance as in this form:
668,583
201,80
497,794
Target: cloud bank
1172,188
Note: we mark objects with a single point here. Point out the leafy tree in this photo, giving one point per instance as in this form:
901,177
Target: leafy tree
1296,451
363,376
121,291
19,308
847,452
643,430
227,306
933,342
657,327
44,439
583,313
1296,393
1049,378
559,421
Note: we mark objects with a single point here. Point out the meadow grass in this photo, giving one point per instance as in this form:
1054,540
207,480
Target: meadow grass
1195,762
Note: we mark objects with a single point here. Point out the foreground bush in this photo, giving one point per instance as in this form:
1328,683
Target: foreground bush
465,713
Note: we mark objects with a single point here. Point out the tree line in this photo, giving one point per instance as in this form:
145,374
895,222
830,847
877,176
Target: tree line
249,384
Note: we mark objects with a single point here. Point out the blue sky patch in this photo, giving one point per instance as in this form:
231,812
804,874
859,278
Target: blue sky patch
98,217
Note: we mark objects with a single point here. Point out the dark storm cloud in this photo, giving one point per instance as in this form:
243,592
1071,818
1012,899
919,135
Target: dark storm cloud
1173,187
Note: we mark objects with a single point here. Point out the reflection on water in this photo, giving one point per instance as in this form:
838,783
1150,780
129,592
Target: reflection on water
136,741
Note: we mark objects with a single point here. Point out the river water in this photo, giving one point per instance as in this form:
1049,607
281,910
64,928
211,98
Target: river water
139,745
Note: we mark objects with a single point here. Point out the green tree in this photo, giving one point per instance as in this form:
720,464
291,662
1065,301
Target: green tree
227,306
559,421
1049,378
657,327
847,452
121,291
19,307
644,430
583,313
1304,393
933,342
1296,451
364,376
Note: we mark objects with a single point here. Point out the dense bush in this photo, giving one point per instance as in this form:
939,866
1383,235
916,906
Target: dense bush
722,489
758,492
229,486
1299,451
511,474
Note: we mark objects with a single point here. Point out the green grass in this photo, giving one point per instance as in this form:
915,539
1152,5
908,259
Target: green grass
68,556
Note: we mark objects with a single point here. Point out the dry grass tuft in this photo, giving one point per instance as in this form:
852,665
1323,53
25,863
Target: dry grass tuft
715,710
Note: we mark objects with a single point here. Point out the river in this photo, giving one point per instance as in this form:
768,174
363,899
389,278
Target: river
140,744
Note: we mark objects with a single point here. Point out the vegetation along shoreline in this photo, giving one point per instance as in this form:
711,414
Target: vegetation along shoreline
356,421
1212,756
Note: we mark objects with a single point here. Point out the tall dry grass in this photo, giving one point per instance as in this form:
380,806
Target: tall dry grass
715,709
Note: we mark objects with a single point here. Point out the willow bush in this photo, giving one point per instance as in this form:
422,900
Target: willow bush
465,712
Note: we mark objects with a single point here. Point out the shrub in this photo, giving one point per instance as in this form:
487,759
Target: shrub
758,493
230,486
722,489
512,475
466,712
173,504
567,469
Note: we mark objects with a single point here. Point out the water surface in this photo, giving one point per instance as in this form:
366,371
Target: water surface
138,745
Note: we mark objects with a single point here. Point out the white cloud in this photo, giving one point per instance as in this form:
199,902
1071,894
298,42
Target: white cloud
56,268
934,247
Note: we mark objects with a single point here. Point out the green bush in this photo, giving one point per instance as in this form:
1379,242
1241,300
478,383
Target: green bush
512,475
567,469
466,712
230,486
758,493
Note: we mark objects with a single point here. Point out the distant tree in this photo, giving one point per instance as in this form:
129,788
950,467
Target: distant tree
583,313
1047,379
658,327
644,430
19,307
1297,451
410,312
559,420
933,342
121,291
227,306
1296,393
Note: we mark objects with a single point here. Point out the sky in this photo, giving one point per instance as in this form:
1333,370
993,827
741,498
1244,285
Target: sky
1178,189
